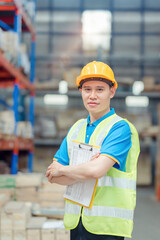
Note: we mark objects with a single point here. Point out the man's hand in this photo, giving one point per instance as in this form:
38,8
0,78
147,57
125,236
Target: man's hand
53,170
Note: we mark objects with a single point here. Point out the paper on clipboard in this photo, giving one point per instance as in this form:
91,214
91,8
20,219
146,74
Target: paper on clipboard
82,192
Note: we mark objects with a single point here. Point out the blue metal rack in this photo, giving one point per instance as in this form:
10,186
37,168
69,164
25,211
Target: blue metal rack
20,17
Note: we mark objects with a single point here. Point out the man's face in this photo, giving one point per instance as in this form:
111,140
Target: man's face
96,97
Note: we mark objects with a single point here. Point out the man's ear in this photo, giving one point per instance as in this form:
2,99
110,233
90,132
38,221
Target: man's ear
113,91
80,89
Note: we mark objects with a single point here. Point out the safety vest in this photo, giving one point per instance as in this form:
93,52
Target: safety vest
115,197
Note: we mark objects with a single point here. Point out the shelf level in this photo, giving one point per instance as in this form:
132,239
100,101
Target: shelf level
21,144
14,72
13,5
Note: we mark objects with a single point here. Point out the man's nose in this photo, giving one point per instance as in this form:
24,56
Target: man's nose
93,94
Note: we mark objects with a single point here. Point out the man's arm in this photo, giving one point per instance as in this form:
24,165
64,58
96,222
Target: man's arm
95,168
63,180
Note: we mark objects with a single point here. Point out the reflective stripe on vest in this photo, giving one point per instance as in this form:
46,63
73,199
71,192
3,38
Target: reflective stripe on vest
101,211
104,211
75,134
117,182
72,208
105,130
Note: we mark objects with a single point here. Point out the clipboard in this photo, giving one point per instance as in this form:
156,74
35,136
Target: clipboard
82,193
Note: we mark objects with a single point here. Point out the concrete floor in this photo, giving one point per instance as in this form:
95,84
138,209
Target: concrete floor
147,216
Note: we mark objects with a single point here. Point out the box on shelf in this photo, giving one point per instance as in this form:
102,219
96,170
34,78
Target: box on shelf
62,234
36,222
24,129
6,235
29,180
9,41
6,221
7,181
55,228
140,121
45,127
9,192
51,195
3,200
48,234
27,194
148,81
19,235
70,77
144,177
16,214
34,228
33,234
7,122
49,212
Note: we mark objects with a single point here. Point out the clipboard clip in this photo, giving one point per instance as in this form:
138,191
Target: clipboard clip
86,146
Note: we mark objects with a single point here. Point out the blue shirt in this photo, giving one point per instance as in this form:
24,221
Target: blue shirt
116,144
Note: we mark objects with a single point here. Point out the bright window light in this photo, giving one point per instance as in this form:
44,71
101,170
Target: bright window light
63,87
137,101
96,28
138,87
55,99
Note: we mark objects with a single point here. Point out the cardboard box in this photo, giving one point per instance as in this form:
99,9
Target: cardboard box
6,221
7,191
6,235
54,187
19,235
149,81
33,234
34,228
48,234
24,129
50,195
144,177
7,181
3,199
27,194
29,180
36,222
62,234
58,204
7,122
70,77
15,215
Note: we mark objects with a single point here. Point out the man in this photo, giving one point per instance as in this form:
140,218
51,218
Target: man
111,216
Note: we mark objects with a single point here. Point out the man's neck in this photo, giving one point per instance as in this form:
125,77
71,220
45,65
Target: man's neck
96,116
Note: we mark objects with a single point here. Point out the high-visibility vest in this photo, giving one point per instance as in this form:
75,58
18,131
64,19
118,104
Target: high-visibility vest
115,197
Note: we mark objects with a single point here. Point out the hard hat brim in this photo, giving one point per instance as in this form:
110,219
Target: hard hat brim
81,78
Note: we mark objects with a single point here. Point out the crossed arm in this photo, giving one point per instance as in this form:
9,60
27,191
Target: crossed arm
67,175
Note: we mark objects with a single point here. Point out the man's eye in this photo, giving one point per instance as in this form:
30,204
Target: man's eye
87,89
100,89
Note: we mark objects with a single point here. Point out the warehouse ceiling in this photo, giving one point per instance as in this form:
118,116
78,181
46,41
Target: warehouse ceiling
122,33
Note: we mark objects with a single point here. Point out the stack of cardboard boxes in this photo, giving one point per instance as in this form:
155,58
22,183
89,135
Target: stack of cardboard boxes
26,203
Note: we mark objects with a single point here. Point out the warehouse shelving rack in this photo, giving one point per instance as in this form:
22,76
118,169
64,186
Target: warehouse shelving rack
14,17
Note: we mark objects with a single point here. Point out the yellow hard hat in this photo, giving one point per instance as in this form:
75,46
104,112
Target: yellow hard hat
94,70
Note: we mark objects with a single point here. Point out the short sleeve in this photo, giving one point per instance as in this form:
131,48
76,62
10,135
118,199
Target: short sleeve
62,154
117,144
